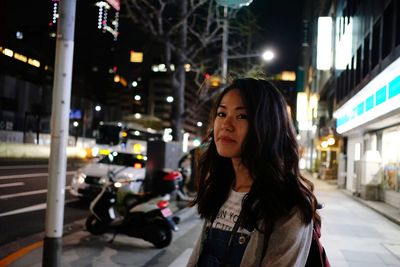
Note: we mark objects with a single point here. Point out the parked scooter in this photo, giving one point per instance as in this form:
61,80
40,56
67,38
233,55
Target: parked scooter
143,214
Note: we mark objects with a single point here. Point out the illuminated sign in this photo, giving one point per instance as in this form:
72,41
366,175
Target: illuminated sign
378,97
136,57
324,43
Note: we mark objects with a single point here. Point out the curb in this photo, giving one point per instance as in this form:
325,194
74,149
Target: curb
370,204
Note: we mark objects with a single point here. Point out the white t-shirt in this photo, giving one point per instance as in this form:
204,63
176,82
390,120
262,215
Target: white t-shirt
229,212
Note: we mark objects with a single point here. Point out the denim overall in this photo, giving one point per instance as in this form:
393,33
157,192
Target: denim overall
215,245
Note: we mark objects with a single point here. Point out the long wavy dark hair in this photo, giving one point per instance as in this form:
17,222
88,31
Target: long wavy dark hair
270,152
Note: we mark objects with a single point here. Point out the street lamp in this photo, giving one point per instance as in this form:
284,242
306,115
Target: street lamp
267,55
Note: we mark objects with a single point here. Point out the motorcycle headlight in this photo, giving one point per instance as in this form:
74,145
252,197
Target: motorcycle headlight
81,177
103,180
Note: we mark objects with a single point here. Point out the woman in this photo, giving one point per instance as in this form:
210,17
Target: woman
249,175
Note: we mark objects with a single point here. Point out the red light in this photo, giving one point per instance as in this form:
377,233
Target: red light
115,68
207,76
163,204
50,24
137,166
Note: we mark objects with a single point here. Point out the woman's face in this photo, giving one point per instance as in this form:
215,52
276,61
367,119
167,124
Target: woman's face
230,125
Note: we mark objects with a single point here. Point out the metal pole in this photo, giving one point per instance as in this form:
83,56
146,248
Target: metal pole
52,254
224,55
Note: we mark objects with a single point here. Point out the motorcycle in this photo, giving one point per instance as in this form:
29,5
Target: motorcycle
144,214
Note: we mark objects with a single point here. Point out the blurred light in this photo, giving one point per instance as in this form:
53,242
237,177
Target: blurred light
124,134
301,111
95,151
134,83
119,124
187,67
20,57
302,164
215,81
162,68
82,153
331,141
298,137
138,115
154,68
324,144
52,34
170,99
196,142
19,35
8,52
34,62
199,124
137,133
116,78
137,166
288,76
324,43
185,142
137,148
98,108
268,55
101,122
137,97
136,57
75,123
344,44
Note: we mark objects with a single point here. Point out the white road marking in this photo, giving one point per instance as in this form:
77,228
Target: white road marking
182,260
29,175
11,184
41,191
41,206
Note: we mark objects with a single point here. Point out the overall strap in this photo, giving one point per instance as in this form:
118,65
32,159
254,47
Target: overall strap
229,243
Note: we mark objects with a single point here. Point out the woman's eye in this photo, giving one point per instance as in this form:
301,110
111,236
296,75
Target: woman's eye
242,116
220,114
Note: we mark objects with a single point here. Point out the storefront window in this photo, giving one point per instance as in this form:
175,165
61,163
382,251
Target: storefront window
391,158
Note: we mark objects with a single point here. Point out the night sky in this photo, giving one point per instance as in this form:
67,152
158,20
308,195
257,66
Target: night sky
279,19
282,24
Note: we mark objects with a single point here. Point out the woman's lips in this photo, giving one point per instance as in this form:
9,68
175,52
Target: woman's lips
226,139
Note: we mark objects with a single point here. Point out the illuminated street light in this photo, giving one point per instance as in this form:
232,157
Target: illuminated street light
137,97
134,84
268,55
76,124
98,108
199,124
170,99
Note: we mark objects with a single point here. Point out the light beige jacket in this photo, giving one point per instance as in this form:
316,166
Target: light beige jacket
288,245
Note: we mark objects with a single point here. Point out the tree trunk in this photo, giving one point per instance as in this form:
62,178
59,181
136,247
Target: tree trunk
179,86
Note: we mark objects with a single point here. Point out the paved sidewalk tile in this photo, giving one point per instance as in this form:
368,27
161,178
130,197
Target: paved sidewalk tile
354,234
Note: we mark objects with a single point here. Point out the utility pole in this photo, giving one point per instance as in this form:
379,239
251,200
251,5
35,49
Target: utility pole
52,249
224,55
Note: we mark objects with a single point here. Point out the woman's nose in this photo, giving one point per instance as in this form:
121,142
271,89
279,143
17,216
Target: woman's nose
227,124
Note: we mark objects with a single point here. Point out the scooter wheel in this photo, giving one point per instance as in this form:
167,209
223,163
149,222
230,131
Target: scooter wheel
94,226
163,234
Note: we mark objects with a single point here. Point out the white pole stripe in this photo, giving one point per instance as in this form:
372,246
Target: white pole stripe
41,191
11,184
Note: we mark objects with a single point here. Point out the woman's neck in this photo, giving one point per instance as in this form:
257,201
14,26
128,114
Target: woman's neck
243,180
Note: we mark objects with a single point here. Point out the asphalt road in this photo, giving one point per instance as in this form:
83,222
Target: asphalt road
23,192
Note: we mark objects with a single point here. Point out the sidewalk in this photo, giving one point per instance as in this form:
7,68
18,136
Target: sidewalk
353,234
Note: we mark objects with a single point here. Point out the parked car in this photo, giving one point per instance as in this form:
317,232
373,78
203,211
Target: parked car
88,180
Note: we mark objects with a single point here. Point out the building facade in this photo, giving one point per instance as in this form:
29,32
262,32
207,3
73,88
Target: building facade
356,79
